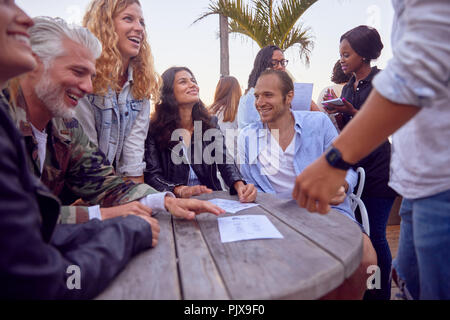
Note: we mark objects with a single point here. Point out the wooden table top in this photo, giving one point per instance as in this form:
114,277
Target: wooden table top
190,261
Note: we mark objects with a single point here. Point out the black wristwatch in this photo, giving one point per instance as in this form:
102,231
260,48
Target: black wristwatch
334,158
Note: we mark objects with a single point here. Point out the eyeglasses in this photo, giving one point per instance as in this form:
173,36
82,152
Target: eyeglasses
283,63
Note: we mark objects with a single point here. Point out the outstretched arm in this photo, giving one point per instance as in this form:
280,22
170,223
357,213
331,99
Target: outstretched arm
376,121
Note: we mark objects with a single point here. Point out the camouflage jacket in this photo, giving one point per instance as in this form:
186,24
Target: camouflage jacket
75,164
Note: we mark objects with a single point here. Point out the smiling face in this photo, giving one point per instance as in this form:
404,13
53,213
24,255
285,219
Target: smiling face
15,54
130,27
185,88
278,56
350,61
66,80
269,100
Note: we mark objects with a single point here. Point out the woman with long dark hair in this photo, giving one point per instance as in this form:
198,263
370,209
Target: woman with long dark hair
185,147
358,47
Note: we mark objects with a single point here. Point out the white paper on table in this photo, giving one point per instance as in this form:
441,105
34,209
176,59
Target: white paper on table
302,96
232,206
249,227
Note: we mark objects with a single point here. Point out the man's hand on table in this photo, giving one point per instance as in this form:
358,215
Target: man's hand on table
154,224
246,192
189,208
317,185
186,192
134,207
137,209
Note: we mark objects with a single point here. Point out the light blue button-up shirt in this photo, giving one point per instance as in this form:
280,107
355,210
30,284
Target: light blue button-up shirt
314,134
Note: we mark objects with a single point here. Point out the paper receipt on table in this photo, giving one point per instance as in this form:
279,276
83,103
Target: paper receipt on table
247,228
232,206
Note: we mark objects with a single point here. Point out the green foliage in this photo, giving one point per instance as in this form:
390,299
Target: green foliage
267,22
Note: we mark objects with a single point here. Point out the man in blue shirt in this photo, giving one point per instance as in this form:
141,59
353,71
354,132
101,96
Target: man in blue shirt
275,150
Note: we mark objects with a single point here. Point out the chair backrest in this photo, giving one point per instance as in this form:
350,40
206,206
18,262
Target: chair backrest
355,200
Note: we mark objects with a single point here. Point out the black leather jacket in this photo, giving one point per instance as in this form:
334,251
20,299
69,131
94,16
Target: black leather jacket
35,252
164,175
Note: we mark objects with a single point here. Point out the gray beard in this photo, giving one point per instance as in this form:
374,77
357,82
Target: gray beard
52,96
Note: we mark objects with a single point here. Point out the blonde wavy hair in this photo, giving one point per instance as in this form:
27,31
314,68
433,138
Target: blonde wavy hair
99,19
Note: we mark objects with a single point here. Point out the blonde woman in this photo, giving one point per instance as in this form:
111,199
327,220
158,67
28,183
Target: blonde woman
116,117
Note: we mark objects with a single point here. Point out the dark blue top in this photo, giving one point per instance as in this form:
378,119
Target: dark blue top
377,163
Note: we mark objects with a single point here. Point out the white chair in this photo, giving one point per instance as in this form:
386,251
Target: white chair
355,200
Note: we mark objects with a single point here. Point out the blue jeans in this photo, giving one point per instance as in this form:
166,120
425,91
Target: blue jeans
378,210
423,261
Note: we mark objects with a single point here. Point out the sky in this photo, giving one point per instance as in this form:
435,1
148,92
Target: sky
175,41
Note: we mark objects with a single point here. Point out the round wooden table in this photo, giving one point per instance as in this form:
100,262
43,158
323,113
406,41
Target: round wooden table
190,262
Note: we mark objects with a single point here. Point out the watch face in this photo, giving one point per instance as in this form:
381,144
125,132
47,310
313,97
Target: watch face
333,157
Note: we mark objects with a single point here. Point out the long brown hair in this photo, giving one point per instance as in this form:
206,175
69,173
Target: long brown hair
166,117
99,19
226,98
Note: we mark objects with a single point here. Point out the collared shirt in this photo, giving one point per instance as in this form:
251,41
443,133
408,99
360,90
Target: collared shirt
419,75
359,96
314,133
376,164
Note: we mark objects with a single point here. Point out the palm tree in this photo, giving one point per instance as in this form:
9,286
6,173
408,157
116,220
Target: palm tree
267,23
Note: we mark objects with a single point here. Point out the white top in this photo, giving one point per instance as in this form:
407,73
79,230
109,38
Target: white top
41,139
417,75
279,166
193,179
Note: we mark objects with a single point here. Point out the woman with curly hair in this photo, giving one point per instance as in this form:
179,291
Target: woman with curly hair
185,147
116,117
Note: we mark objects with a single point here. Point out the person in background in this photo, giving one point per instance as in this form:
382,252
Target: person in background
269,57
185,147
35,252
410,100
116,116
277,148
339,78
358,47
225,107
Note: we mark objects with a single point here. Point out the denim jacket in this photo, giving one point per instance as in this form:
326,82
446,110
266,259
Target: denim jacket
314,133
119,126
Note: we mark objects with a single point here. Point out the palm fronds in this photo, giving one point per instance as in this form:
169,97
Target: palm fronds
267,22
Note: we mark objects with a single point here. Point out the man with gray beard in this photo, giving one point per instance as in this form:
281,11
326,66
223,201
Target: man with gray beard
61,154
